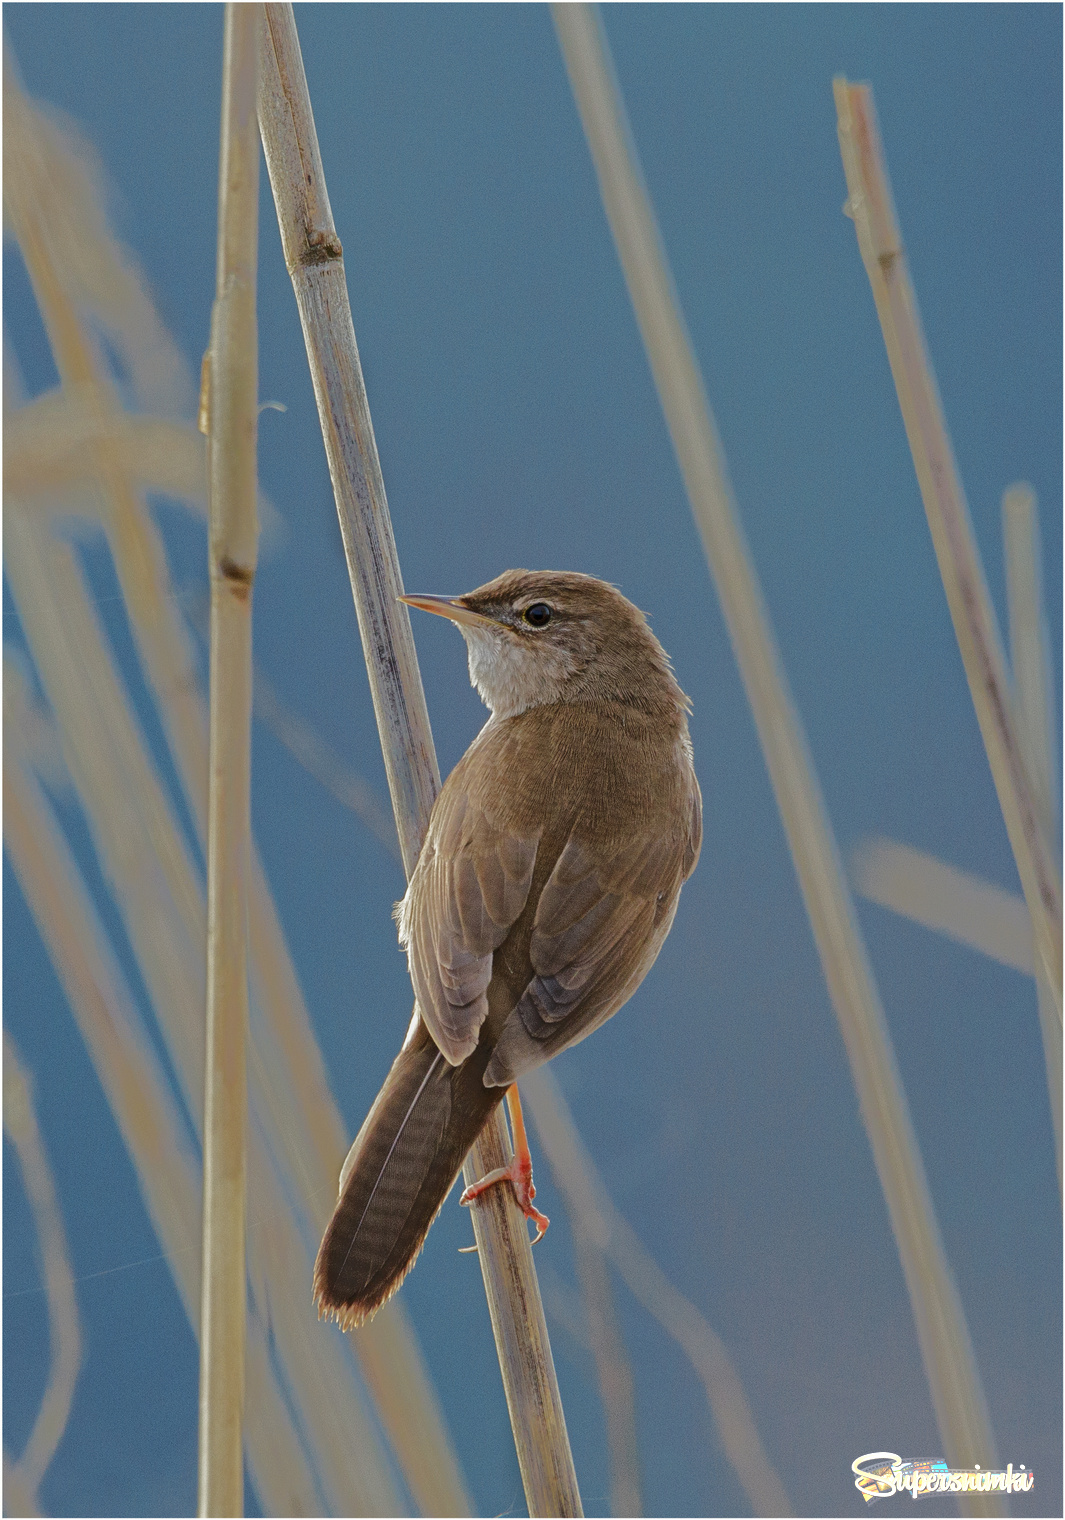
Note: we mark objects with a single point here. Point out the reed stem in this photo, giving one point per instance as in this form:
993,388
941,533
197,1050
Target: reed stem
880,241
1034,710
596,1219
314,259
941,1328
230,407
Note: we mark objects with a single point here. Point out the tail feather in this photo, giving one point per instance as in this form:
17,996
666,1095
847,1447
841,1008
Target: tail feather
400,1170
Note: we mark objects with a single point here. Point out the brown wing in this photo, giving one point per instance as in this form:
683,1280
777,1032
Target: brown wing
470,885
600,922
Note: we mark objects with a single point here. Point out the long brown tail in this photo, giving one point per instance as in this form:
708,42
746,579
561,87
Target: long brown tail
400,1170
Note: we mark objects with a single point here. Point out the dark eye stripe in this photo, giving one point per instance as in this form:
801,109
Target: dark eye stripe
538,615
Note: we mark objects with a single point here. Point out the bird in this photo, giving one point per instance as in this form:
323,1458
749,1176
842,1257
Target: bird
544,889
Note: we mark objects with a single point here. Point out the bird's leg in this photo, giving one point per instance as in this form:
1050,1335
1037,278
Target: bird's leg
518,1173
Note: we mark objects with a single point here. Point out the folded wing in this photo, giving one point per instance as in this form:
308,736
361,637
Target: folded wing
600,923
470,885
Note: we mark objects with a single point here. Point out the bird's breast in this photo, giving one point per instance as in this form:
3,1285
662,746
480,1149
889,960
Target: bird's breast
597,768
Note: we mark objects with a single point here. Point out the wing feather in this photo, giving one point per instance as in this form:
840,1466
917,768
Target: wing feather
471,883
600,922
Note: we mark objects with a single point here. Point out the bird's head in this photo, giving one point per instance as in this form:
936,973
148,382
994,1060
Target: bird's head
544,636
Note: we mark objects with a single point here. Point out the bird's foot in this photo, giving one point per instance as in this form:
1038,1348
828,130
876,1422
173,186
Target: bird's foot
519,1175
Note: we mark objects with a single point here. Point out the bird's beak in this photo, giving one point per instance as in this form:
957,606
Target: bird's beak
449,607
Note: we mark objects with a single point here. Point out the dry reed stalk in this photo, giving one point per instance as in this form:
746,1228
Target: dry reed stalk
1034,710
64,1324
941,1329
961,906
152,1128
872,208
314,259
230,410
596,1217
289,1082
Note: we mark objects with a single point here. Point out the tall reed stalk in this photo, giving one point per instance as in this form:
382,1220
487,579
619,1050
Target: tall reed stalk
872,209
314,258
230,409
941,1329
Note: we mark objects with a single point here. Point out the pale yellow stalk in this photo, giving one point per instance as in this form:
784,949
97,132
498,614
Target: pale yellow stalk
1034,711
941,1330
315,262
880,242
64,1322
230,409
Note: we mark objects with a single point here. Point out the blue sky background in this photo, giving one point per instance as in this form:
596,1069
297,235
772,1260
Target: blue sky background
518,425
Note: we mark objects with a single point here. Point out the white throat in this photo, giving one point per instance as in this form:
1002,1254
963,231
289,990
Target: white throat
511,677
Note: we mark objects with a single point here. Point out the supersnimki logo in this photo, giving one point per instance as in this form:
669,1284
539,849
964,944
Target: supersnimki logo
883,1473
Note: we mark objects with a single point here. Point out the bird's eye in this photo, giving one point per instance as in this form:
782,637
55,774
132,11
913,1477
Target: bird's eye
538,615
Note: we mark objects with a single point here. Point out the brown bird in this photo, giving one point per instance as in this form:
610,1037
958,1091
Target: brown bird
547,882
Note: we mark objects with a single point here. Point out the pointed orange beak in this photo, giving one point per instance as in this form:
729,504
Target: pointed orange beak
449,607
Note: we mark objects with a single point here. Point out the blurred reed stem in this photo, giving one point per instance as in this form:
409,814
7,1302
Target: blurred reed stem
952,902
941,1329
1033,706
230,411
597,1220
314,259
617,1388
872,208
64,1323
